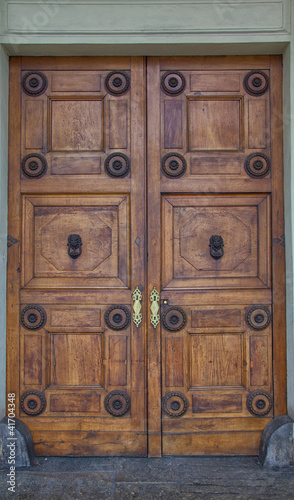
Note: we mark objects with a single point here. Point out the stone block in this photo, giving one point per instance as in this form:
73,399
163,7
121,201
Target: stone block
20,449
276,447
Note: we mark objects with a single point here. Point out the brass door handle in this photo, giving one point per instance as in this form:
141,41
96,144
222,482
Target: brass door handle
137,306
154,299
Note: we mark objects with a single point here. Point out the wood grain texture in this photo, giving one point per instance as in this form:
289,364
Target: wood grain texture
278,251
77,359
216,358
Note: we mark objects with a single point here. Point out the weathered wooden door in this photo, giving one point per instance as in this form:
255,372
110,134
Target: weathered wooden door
77,200
215,252
82,294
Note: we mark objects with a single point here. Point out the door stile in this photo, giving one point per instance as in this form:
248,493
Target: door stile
278,242
14,231
154,255
138,225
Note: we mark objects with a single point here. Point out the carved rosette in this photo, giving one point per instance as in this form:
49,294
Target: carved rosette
174,319
173,165
256,83
258,317
117,403
33,402
117,165
117,82
33,317
117,317
175,404
257,165
34,83
34,165
259,402
173,83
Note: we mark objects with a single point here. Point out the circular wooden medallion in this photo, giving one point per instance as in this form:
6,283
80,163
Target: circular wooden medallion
117,317
256,83
259,402
34,83
257,165
173,165
33,317
33,402
34,165
117,82
173,82
117,403
117,165
174,319
175,404
258,317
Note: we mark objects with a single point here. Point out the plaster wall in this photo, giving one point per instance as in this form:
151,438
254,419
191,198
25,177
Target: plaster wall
149,27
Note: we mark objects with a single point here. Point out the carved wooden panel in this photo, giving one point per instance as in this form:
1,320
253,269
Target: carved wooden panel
189,222
213,403
213,114
216,360
102,224
76,360
118,360
32,360
88,402
215,124
76,122
86,117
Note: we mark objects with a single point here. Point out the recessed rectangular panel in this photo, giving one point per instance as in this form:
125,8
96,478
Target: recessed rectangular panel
174,362
215,166
214,124
34,124
215,240
76,124
75,402
76,359
32,359
259,362
118,124
257,123
216,360
217,318
75,165
212,403
101,226
215,82
173,124
118,355
75,81
74,316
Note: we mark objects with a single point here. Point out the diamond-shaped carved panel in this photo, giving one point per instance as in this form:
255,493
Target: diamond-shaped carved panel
195,238
96,239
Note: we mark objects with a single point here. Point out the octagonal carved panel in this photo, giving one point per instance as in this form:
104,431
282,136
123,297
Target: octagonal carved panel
95,234
195,239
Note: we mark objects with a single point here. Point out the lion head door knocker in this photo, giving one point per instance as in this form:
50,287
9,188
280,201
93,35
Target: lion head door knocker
74,244
216,244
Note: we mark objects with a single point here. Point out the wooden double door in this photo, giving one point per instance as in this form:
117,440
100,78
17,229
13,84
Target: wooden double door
146,253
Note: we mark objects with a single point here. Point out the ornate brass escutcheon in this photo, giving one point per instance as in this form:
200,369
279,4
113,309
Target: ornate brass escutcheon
74,244
216,244
154,299
137,305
